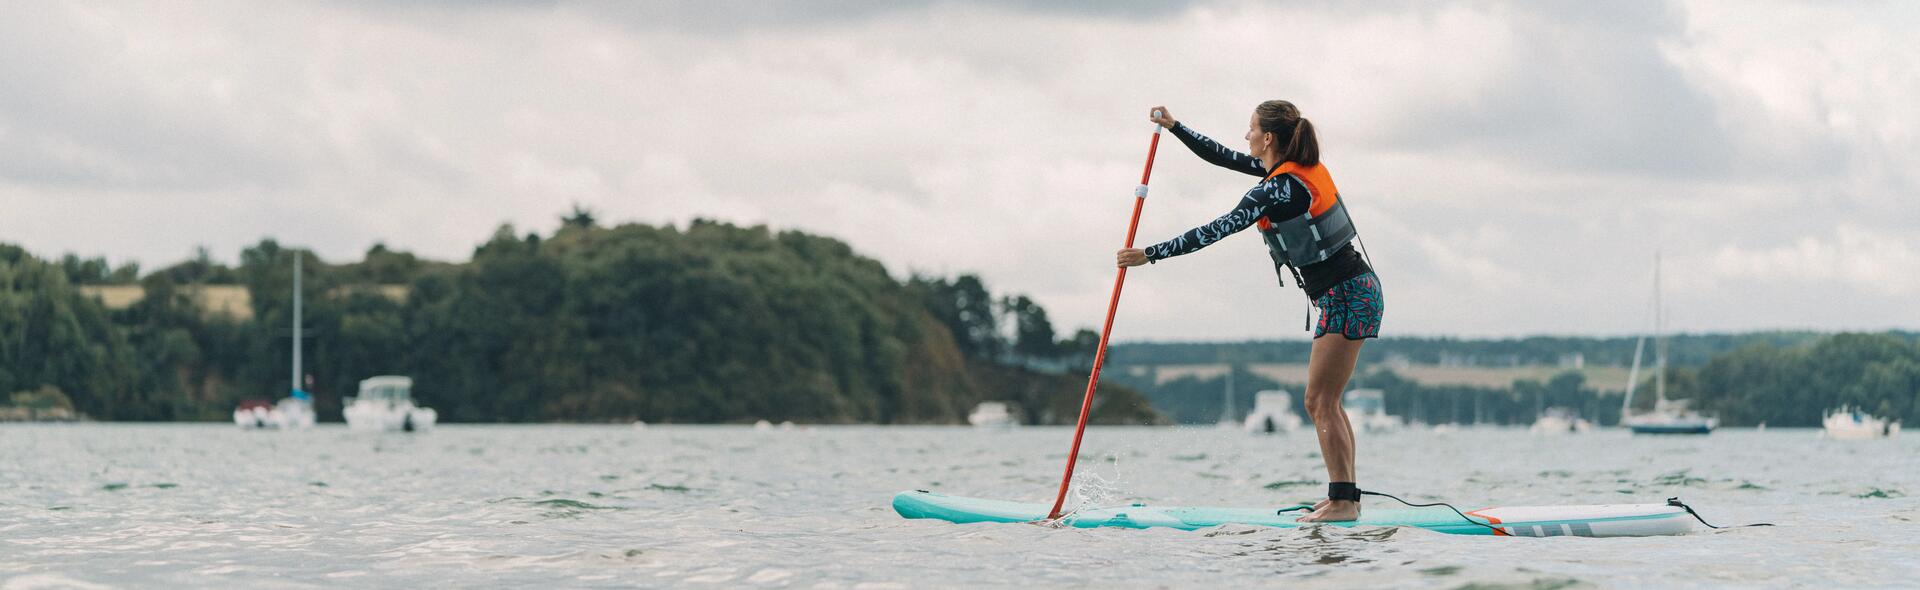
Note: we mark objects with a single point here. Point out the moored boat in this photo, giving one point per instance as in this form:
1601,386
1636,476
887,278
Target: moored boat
385,404
1848,423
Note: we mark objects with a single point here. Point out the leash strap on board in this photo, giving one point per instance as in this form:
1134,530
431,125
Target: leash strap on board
1675,502
1463,516
1113,305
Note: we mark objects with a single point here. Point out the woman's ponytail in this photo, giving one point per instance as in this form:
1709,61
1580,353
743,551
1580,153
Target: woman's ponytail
1282,119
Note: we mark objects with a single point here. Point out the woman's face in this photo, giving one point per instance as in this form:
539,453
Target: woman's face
1257,140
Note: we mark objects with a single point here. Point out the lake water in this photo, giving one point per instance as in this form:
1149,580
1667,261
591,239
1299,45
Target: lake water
120,505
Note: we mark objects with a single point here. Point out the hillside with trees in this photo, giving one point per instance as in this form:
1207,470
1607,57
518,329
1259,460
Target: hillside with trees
707,323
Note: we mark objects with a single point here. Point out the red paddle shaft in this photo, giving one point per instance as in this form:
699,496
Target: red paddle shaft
1100,356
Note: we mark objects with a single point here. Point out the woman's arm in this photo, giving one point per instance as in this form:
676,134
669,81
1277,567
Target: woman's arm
1217,154
1282,197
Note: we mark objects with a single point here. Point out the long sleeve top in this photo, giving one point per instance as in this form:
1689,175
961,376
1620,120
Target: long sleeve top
1279,198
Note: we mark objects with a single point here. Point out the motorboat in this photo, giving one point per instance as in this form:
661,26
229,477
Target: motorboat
1272,413
1367,411
255,414
991,415
290,413
385,404
1848,423
1560,421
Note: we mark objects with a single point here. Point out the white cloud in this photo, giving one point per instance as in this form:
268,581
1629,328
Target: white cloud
1853,256
1513,165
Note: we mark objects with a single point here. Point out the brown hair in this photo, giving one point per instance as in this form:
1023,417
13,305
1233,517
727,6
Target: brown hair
1283,120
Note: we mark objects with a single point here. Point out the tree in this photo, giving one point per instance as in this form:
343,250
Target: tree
580,217
1032,332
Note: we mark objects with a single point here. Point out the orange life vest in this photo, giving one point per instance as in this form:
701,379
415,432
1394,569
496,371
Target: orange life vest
1312,237
1319,185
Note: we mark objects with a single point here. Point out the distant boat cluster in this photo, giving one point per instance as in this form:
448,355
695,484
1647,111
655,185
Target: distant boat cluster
384,403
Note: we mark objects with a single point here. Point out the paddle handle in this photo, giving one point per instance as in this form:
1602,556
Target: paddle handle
1113,305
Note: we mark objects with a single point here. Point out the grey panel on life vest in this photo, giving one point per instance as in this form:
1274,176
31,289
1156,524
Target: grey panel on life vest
1307,240
1336,228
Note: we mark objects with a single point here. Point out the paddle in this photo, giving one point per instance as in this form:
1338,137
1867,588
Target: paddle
1100,355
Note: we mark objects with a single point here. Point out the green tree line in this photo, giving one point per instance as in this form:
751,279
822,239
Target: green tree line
1761,383
708,323
1797,385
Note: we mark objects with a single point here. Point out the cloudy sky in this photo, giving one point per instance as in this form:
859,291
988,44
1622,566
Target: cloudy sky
1512,166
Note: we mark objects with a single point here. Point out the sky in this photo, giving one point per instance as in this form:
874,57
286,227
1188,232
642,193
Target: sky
1513,167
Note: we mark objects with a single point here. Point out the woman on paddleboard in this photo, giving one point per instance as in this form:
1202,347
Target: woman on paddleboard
1309,236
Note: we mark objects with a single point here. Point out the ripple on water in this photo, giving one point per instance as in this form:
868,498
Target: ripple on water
812,511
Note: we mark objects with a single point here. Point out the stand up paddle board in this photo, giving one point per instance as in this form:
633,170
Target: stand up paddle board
1603,520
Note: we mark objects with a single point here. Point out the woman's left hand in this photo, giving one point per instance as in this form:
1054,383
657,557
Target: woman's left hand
1131,257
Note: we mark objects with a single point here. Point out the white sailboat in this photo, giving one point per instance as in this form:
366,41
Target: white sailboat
1668,416
295,410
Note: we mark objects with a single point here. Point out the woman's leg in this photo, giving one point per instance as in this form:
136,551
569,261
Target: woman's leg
1328,370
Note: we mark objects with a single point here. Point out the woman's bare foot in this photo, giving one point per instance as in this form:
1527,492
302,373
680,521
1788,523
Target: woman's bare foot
1334,511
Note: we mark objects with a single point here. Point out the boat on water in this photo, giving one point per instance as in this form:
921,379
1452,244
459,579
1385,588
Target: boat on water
1272,413
294,411
290,413
1367,411
1668,416
385,404
991,416
1672,417
1849,423
1559,421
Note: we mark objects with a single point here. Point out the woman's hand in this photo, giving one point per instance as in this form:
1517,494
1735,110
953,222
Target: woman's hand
1161,117
1131,257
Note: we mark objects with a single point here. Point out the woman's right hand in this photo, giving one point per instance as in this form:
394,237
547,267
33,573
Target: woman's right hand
1161,117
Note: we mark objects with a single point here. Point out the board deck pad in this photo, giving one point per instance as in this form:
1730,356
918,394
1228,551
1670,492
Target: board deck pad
1600,520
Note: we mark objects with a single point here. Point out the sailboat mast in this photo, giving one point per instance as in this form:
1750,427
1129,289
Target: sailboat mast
1659,338
296,322
1228,415
1633,378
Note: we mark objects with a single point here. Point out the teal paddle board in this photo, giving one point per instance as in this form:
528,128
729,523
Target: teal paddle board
1602,520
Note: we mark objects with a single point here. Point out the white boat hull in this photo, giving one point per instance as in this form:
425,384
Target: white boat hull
373,417
289,414
1846,424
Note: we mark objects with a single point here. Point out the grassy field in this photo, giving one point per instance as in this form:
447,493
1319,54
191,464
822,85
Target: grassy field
233,300
1612,379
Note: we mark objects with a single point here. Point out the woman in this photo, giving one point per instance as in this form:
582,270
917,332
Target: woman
1309,235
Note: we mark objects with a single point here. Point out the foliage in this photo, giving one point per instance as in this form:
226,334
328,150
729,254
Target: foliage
47,397
710,323
1876,373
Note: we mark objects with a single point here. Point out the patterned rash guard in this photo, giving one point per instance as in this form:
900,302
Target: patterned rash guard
1282,197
